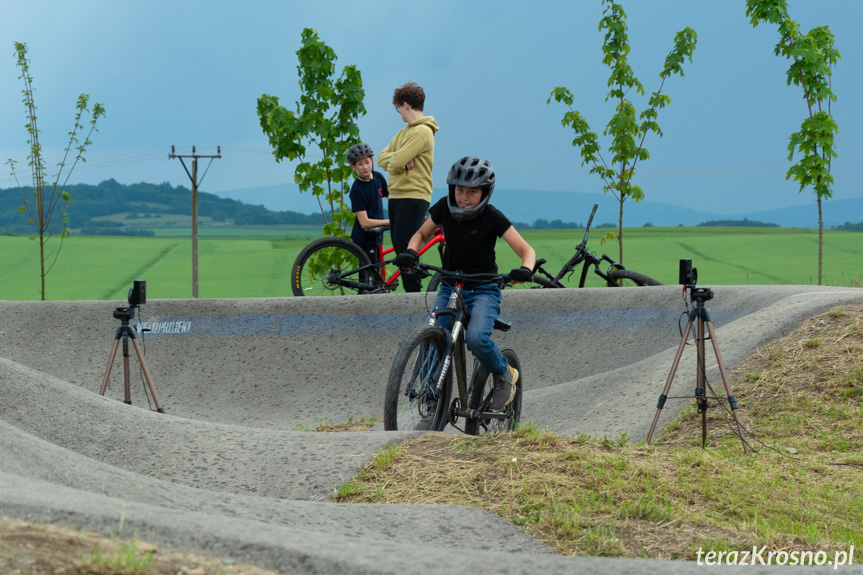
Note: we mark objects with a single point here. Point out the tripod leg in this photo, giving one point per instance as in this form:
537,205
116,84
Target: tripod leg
664,394
152,387
108,370
701,385
732,399
128,387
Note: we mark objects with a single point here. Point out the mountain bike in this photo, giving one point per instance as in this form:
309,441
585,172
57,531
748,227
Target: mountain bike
420,383
615,275
338,266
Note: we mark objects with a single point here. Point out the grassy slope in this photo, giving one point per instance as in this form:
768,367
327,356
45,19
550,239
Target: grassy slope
799,490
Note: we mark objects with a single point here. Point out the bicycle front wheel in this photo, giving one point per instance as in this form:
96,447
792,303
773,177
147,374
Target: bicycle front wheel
412,399
320,268
628,278
480,398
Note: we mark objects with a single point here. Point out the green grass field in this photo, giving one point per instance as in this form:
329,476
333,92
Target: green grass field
238,262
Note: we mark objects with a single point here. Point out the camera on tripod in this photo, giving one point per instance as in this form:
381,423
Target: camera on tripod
137,297
125,333
138,293
688,278
688,274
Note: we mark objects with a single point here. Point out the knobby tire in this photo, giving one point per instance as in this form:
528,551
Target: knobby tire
412,401
319,261
628,278
545,282
481,394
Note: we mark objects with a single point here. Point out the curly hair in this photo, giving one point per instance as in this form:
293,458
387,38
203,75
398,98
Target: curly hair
411,93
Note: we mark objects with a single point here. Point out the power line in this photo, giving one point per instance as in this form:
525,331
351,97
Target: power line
151,154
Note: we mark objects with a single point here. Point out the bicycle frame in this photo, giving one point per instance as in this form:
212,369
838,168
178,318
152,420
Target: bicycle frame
384,283
582,255
455,352
437,238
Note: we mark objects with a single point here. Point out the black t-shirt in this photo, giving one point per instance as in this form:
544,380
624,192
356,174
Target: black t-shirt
368,197
470,244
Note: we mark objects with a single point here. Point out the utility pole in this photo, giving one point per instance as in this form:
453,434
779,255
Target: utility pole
194,177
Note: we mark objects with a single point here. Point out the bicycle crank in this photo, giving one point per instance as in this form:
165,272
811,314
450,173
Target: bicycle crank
454,409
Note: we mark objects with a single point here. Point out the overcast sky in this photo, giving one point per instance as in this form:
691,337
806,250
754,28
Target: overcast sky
190,72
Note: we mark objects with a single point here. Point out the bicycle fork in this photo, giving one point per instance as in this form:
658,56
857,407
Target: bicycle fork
447,362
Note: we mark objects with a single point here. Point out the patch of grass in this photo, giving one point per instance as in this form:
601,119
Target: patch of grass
799,490
126,557
364,424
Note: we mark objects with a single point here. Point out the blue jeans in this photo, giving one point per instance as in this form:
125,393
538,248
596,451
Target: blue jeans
483,304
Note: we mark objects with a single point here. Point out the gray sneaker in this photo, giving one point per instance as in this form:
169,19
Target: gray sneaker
504,388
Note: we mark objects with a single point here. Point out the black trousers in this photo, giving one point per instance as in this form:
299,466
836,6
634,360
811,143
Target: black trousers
406,217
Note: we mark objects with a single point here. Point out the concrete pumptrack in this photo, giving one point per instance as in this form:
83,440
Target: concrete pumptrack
228,470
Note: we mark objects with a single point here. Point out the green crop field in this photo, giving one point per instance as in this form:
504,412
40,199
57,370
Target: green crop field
256,262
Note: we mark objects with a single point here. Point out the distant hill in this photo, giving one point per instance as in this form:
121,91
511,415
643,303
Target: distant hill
527,206
111,205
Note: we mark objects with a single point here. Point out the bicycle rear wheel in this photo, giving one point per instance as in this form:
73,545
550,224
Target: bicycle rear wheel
412,400
319,265
480,397
628,278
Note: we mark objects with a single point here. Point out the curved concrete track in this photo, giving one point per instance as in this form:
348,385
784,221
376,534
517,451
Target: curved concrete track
230,471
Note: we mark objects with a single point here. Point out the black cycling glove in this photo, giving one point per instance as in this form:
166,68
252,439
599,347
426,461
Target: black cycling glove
521,274
407,259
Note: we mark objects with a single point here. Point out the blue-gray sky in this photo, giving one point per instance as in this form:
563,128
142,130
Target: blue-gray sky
189,73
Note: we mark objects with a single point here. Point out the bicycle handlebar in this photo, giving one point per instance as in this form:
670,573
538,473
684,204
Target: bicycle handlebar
462,275
587,228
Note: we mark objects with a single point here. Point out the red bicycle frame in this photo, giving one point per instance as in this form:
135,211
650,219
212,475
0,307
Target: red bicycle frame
435,239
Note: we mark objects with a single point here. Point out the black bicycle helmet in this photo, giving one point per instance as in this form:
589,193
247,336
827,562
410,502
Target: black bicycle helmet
359,151
470,172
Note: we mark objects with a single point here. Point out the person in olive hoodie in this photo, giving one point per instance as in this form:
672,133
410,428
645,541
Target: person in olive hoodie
408,159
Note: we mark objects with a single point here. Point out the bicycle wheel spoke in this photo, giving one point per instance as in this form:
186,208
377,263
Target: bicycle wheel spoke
483,386
413,401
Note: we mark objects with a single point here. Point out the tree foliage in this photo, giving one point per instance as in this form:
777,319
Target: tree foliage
325,118
46,211
627,128
812,57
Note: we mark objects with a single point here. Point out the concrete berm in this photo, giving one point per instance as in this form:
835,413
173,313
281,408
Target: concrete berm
229,470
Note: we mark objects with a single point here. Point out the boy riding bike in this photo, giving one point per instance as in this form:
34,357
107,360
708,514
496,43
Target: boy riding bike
471,227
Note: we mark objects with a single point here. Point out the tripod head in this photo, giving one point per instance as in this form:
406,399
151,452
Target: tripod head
700,295
126,314
137,297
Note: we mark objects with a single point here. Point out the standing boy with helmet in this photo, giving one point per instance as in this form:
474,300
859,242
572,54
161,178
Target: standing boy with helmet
366,197
408,160
471,227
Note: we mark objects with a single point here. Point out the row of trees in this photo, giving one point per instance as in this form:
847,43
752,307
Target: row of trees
812,56
326,114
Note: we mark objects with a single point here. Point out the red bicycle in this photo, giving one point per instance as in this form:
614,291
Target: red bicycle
338,266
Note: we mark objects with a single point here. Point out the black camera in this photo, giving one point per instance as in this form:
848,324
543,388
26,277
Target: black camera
138,293
688,274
